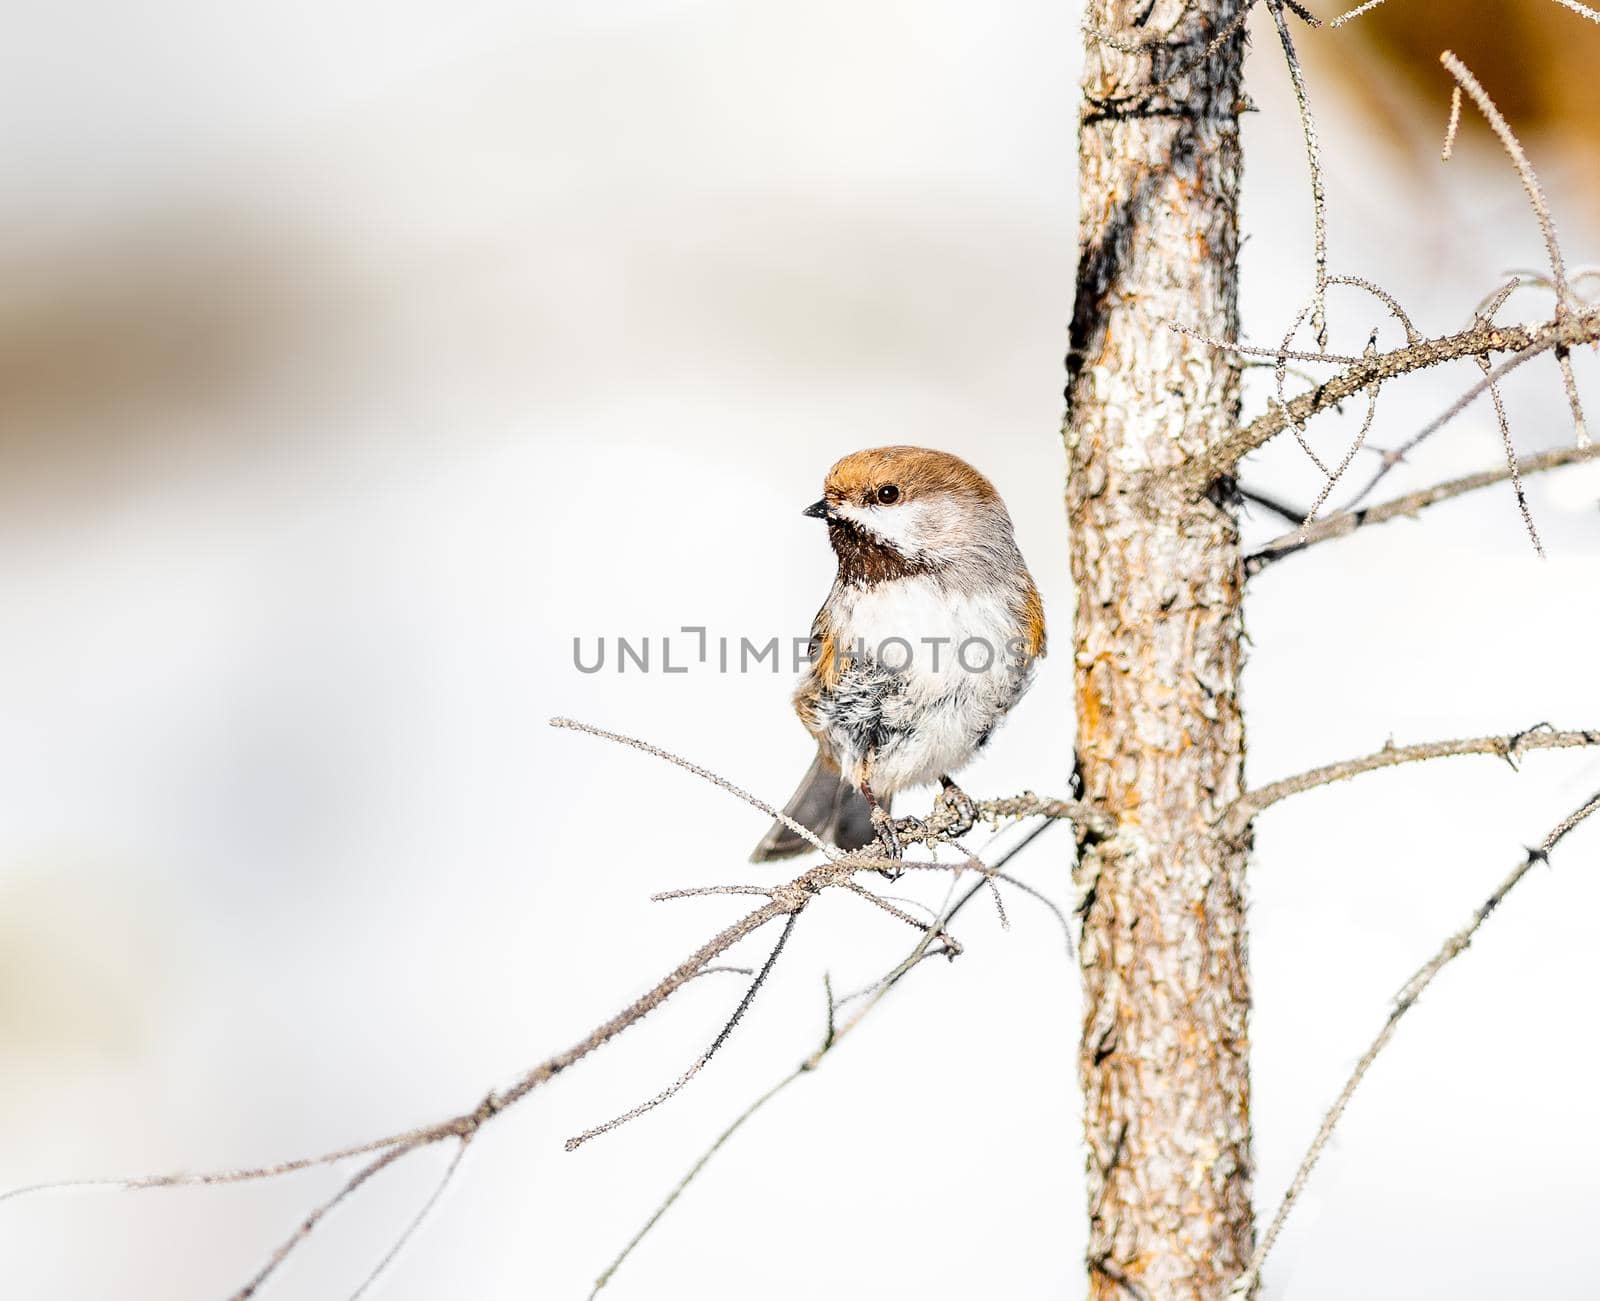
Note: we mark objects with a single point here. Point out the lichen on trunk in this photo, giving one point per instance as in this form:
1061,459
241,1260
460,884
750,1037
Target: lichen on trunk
1157,646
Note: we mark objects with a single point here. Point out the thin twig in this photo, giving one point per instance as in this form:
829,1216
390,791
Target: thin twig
1491,378
899,914
312,1220
873,986
690,1174
805,833
1280,378
698,891
1541,210
1384,297
416,1221
1336,526
1569,386
1257,350
725,971
1404,1001
1351,452
1582,10
1055,908
578,1140
1492,303
1452,126
1513,470
907,901
1350,14
1319,199
1543,737
1294,515
185,1179
994,893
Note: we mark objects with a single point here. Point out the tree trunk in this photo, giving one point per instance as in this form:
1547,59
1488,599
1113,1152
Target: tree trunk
1160,743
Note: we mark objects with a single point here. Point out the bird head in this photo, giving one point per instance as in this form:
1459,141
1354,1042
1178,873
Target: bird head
897,510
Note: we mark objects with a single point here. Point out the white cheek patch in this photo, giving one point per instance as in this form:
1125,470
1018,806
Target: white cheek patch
902,526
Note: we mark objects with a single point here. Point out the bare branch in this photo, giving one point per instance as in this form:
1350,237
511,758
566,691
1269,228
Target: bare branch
1479,340
1346,522
1487,384
874,993
1509,748
1086,818
1405,1000
786,901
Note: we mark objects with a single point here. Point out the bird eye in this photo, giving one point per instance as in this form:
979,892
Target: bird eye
888,494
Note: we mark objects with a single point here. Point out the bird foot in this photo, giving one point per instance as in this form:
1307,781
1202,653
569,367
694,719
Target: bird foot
888,842
963,812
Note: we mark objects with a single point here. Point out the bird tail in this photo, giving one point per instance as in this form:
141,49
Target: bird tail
827,805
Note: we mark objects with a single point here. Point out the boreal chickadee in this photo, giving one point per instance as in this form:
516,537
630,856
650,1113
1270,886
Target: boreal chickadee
928,637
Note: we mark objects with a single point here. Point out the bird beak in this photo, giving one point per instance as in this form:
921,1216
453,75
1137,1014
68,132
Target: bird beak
817,509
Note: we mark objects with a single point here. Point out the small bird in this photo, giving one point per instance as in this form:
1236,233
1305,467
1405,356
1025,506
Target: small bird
928,637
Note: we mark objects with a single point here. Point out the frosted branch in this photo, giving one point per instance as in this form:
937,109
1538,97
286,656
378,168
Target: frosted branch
1542,737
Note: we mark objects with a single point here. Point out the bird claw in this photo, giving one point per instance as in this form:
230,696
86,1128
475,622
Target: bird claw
889,843
961,808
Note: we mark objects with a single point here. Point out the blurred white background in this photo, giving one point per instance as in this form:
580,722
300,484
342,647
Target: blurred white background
359,357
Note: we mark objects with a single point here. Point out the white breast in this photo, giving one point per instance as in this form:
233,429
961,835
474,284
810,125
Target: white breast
934,622
963,670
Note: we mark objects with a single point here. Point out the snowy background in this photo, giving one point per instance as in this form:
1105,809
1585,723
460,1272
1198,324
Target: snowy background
359,357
